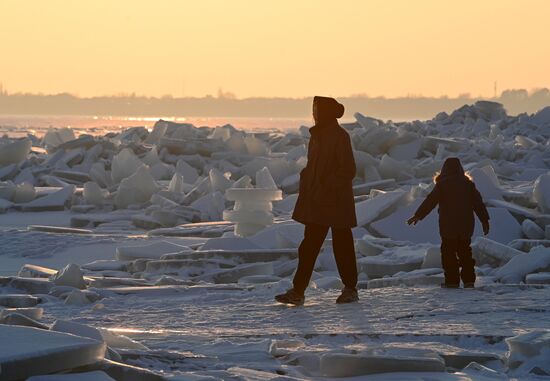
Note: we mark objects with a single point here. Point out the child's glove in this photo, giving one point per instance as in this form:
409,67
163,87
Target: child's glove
485,225
413,220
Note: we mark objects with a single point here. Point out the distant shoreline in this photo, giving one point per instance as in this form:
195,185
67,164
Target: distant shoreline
405,108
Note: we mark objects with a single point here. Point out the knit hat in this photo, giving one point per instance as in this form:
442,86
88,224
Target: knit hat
328,108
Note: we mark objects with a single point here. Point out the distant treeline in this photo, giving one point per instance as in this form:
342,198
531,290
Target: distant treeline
515,101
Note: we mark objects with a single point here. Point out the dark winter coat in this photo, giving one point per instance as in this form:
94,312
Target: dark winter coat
326,193
458,200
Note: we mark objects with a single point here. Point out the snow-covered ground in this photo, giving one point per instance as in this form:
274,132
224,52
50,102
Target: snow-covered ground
132,236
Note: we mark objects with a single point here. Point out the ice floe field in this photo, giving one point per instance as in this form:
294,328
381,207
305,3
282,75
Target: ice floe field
155,255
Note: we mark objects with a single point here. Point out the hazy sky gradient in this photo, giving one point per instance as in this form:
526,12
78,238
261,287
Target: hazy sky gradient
274,48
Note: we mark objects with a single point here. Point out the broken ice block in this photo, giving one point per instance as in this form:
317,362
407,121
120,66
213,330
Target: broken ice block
243,182
406,151
529,350
391,262
18,301
541,193
221,132
381,360
162,171
70,275
487,251
218,181
518,267
93,194
57,136
26,352
532,230
368,210
34,313
100,175
7,190
264,179
14,152
538,278
486,182
152,157
432,259
392,169
159,129
233,275
190,174
124,165
77,298
52,201
211,206
77,329
255,146
252,209
176,184
24,192
136,189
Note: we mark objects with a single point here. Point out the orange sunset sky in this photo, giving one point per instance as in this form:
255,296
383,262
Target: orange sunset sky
274,48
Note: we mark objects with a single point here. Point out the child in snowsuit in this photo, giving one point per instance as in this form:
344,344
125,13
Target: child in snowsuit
458,200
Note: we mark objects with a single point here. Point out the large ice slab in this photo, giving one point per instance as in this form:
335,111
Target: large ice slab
51,202
486,182
518,267
18,301
380,361
368,210
26,352
77,329
487,251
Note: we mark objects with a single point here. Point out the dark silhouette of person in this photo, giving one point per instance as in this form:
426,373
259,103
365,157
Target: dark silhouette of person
325,200
458,200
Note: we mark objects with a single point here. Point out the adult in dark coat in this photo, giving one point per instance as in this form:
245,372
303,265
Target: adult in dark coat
325,200
458,200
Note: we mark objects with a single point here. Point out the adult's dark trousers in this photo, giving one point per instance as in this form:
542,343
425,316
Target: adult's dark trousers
344,253
456,257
